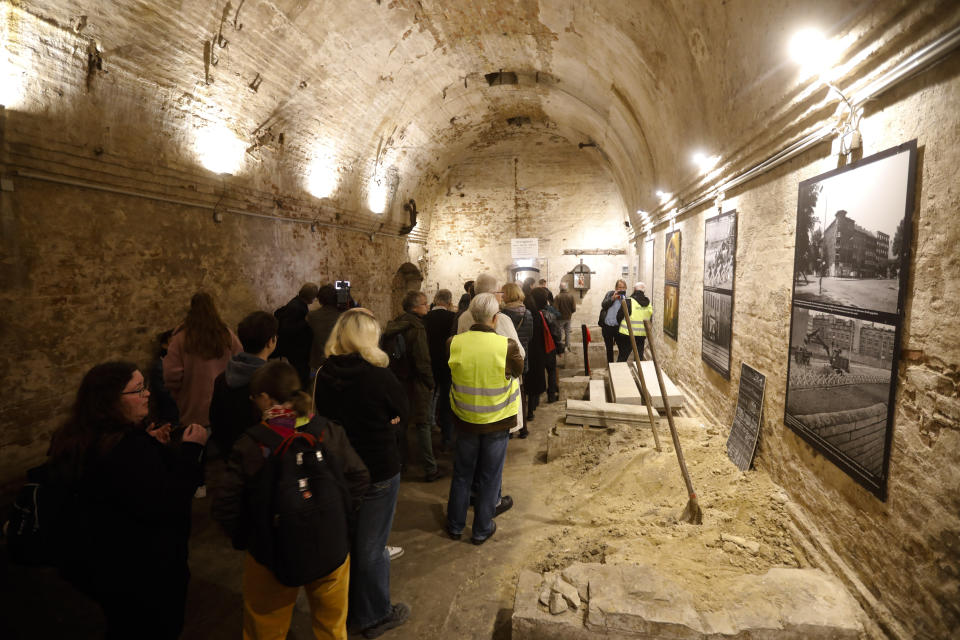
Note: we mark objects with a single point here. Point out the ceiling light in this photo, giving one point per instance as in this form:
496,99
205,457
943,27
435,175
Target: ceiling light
705,162
377,193
322,175
664,197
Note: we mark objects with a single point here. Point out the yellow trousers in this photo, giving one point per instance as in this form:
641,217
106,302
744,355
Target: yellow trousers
268,604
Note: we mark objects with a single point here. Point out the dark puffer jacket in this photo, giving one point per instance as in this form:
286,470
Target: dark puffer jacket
417,379
364,398
523,323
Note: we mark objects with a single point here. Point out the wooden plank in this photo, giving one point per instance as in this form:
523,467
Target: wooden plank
674,395
622,385
598,391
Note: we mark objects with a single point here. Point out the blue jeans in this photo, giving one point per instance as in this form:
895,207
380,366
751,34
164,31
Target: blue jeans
481,457
440,409
369,560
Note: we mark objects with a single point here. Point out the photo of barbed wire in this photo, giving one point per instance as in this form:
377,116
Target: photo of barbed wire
720,249
839,384
853,236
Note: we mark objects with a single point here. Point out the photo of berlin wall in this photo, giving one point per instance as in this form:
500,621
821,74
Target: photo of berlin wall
839,384
717,315
719,256
853,236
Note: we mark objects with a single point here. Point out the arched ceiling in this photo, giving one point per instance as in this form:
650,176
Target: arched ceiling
401,87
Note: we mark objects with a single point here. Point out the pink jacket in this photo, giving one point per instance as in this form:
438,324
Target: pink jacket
189,378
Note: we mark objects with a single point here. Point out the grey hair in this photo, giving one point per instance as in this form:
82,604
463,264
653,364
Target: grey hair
563,286
485,283
640,287
483,307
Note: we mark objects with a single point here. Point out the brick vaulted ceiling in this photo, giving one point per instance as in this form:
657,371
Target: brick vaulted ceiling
404,87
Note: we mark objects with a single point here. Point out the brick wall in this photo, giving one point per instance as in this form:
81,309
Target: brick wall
526,185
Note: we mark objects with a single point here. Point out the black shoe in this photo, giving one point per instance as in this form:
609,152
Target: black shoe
480,542
552,397
452,535
436,475
398,615
505,503
523,433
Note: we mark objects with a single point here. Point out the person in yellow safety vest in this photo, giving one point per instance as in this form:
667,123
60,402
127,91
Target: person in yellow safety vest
485,397
640,309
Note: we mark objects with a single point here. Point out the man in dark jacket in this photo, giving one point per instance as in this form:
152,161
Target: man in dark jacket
294,334
321,323
231,411
438,322
416,374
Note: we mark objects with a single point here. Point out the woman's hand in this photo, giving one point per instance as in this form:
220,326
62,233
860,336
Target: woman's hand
395,420
161,433
196,433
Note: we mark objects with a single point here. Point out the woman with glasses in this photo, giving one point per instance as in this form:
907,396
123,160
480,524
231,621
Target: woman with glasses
125,544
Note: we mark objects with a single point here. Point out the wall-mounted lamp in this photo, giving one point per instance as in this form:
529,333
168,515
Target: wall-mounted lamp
704,162
816,54
219,149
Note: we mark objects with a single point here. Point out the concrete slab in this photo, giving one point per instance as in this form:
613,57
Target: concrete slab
638,601
597,391
623,388
674,395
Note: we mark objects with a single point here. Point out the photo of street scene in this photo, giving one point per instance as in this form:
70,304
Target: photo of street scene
853,235
719,253
717,313
839,385
671,310
671,269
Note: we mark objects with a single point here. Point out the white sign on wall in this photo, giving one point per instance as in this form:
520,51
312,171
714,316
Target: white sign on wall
524,248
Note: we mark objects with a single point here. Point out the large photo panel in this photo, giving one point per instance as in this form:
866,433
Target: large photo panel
850,270
719,265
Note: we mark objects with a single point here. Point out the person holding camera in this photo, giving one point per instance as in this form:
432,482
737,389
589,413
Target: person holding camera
609,308
321,322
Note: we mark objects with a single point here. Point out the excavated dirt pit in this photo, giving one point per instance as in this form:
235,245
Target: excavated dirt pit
620,500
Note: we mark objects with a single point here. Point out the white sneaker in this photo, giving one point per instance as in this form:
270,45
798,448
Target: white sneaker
395,552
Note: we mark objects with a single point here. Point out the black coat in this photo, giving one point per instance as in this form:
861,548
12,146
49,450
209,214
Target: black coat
535,380
418,379
131,542
523,323
294,337
438,323
364,398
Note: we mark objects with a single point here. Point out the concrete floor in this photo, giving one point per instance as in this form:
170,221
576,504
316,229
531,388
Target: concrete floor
455,590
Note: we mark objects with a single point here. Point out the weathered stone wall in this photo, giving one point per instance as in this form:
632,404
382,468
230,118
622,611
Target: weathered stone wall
91,276
906,550
532,185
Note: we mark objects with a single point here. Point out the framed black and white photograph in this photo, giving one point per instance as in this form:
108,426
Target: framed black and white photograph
719,261
852,235
717,317
850,268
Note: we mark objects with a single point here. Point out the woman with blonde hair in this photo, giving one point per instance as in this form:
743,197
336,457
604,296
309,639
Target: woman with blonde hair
355,388
199,351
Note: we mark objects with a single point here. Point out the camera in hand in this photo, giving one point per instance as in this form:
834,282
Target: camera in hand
343,293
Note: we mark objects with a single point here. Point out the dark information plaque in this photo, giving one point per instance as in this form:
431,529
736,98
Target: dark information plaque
742,442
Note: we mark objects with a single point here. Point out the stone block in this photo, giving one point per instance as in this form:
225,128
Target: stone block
574,387
640,601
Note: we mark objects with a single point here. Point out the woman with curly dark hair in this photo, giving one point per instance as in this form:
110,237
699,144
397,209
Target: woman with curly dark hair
198,353
126,546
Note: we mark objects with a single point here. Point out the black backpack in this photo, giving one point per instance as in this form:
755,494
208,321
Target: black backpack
299,508
42,511
395,346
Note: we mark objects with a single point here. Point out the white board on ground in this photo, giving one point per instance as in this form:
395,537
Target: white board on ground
622,385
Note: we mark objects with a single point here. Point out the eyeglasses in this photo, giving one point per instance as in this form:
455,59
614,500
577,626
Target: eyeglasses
140,391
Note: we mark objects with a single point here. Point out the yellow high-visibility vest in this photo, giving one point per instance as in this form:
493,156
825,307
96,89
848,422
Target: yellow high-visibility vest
637,315
481,392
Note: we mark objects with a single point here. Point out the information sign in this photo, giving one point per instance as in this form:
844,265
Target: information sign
745,431
525,248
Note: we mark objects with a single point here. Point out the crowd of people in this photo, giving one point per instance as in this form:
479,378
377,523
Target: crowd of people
308,411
